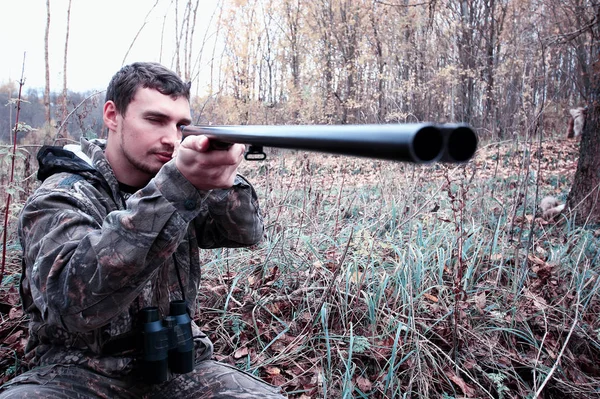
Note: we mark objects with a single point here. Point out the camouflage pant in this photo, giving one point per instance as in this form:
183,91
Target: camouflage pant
209,379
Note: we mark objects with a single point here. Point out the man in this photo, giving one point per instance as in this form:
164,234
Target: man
115,228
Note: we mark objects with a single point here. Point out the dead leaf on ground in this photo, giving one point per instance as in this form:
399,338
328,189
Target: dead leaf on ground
535,260
467,390
12,296
273,370
431,297
11,339
364,384
241,352
15,313
480,301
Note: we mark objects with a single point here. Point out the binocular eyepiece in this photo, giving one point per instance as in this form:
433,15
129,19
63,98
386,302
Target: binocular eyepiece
166,344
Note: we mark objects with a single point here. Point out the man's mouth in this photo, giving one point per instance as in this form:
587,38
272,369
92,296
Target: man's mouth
164,156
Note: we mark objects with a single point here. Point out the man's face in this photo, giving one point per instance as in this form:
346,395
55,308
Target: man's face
147,135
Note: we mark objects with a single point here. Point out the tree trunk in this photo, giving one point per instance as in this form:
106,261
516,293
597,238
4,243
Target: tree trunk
46,59
64,94
584,198
378,47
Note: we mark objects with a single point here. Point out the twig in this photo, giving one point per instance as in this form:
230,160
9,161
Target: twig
539,354
427,201
138,33
457,202
401,5
562,350
566,37
62,125
332,285
12,171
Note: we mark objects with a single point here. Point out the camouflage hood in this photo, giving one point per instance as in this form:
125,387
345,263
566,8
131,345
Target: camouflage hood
53,160
86,160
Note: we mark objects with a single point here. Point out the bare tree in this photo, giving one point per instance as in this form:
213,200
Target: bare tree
47,61
214,48
381,62
494,15
323,17
64,94
184,36
242,46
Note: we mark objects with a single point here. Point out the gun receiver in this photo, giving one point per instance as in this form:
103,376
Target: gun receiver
411,142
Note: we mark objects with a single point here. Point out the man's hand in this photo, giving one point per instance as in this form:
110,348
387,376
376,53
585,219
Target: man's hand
205,168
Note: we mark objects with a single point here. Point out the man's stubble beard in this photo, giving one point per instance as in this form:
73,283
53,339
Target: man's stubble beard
138,164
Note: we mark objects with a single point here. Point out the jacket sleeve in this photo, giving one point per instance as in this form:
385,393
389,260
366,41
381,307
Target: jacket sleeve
230,218
85,267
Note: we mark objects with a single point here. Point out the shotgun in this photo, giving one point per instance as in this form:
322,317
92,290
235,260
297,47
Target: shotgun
408,142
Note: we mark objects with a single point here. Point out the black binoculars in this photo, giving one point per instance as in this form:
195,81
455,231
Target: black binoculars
166,344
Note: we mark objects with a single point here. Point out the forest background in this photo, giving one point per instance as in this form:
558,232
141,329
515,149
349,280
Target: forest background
377,279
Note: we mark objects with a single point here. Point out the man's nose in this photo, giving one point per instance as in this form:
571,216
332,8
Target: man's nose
172,135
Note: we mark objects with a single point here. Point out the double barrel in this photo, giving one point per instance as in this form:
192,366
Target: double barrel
408,142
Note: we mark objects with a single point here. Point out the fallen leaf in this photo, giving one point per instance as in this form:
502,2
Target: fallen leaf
534,259
480,301
431,297
277,380
273,370
364,384
467,390
12,297
15,313
356,277
11,339
241,352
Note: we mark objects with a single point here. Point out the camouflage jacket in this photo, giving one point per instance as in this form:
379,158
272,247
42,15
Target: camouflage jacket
93,256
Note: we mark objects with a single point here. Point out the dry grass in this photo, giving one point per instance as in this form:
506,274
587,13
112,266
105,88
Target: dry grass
381,280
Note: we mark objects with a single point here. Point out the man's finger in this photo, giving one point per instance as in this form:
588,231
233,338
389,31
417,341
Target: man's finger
242,149
196,143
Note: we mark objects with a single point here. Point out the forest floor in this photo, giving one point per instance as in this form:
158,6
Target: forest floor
379,279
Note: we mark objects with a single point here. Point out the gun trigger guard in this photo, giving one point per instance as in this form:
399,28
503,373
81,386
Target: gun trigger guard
255,153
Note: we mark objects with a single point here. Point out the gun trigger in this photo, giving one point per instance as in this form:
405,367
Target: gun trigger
255,153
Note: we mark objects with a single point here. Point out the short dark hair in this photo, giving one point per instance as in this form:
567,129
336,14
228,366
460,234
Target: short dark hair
152,75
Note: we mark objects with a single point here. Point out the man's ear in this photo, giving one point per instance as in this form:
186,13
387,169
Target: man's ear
109,116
